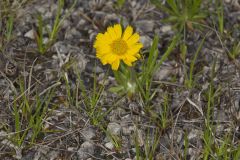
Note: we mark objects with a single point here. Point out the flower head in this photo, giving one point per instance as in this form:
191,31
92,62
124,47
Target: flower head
115,45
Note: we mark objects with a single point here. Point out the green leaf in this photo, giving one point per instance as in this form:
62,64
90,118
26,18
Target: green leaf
116,89
173,5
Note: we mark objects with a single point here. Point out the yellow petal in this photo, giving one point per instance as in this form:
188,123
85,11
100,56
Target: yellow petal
118,30
115,64
112,33
127,33
133,39
99,36
108,36
104,49
137,55
111,58
104,60
103,41
135,48
131,58
127,62
98,39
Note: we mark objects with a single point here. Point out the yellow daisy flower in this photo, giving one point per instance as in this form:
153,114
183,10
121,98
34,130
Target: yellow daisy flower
115,45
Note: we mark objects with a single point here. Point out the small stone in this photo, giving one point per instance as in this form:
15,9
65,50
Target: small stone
30,34
146,41
164,73
66,23
126,118
102,79
71,33
45,40
53,155
3,134
126,130
145,25
81,63
109,145
88,133
41,9
114,128
85,150
70,149
134,106
81,22
97,69
166,28
48,15
133,3
194,136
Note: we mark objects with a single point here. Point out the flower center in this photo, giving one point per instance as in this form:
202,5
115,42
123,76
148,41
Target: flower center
119,46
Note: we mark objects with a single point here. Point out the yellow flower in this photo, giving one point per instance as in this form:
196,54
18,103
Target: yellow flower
114,46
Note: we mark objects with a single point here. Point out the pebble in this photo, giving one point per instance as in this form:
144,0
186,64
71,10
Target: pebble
146,41
145,25
109,145
114,128
30,34
88,133
227,1
164,73
85,149
166,28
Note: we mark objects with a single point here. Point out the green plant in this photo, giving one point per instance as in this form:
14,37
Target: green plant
189,80
150,144
8,11
9,28
131,83
236,152
164,112
214,147
125,77
6,30
235,52
39,36
218,148
29,116
186,145
182,12
120,3
91,100
93,108
220,15
52,34
144,80
148,68
115,139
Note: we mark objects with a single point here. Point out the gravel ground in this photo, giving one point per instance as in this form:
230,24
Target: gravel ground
76,136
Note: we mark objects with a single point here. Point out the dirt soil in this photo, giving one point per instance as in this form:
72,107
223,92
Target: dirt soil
69,132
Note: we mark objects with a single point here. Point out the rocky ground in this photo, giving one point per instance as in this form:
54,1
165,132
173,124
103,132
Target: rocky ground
125,129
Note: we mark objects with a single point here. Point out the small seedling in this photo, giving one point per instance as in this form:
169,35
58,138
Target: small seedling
235,52
120,3
189,80
182,12
52,34
29,116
